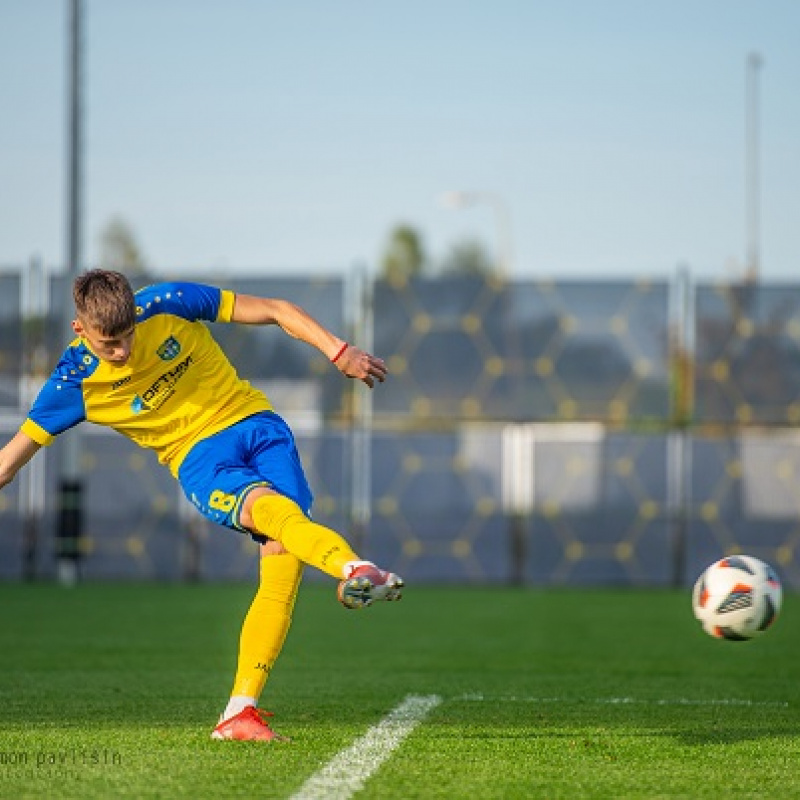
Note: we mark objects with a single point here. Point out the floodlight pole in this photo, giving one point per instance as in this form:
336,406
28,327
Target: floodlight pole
70,489
754,64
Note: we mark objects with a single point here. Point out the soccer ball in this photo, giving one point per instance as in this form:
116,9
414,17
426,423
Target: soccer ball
737,598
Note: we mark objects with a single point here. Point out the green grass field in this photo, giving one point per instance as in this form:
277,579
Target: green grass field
112,690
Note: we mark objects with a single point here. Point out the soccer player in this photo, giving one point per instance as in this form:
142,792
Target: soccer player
146,365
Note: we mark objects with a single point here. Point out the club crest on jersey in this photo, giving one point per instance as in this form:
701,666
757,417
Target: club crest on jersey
169,348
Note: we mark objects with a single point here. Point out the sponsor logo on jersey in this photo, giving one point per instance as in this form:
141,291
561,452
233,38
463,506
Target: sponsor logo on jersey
161,389
121,382
169,349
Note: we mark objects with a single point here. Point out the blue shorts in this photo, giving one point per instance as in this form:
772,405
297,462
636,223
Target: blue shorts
219,472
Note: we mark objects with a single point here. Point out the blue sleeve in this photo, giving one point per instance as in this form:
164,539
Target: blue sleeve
191,301
60,404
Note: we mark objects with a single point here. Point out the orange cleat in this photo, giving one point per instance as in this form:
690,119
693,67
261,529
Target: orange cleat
249,725
367,583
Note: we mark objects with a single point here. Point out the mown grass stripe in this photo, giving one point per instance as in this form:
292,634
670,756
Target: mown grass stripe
347,772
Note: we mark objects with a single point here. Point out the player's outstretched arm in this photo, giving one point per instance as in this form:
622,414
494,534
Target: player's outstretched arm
18,452
351,361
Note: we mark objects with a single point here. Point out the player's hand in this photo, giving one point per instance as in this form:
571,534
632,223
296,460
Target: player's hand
357,363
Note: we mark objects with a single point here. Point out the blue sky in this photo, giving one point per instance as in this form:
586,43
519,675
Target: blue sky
283,137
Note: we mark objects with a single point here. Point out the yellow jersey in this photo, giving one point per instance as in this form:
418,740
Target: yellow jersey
177,387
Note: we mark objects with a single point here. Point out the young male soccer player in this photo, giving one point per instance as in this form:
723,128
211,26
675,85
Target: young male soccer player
147,366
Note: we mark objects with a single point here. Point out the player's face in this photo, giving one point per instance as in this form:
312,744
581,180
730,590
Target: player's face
114,349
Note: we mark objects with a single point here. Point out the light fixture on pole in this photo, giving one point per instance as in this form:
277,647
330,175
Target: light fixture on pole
502,216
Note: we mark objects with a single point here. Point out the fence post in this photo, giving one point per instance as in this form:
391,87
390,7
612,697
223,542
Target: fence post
32,489
517,488
360,311
679,457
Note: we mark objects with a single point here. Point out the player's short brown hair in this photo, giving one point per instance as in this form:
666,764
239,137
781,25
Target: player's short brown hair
104,299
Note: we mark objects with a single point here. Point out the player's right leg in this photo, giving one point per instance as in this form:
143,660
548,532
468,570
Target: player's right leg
361,583
250,478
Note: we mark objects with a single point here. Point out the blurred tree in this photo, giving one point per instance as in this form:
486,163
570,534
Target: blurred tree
404,256
468,257
120,251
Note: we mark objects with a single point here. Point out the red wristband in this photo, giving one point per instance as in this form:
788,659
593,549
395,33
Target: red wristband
339,354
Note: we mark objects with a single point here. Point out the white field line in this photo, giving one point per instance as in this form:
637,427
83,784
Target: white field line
477,697
347,772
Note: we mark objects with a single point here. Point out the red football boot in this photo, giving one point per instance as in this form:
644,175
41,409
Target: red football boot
249,725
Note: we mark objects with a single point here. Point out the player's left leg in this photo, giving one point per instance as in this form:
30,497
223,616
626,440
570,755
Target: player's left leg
262,637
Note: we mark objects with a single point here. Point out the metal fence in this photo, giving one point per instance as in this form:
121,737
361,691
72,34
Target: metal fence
614,432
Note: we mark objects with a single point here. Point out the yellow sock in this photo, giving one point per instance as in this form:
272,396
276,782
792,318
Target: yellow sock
281,519
267,623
